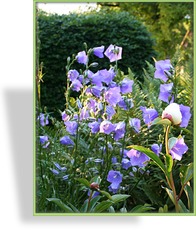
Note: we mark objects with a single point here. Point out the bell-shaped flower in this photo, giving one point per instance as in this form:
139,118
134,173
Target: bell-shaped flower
43,119
95,126
98,51
76,85
165,92
44,141
119,130
73,74
113,96
71,127
66,140
177,148
135,124
162,69
82,58
148,115
137,158
106,127
156,148
126,86
114,53
115,178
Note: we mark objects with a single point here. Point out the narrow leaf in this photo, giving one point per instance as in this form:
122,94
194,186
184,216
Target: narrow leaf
142,208
104,205
186,173
119,197
83,181
63,206
106,194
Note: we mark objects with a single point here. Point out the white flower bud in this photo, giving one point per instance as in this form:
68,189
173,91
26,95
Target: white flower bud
172,112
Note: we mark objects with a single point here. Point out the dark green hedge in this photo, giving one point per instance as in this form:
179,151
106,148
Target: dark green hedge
62,36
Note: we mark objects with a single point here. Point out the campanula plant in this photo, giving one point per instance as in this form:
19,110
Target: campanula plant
103,154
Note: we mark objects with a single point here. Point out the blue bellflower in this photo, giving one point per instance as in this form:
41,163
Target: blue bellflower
165,92
115,178
162,67
178,149
114,53
137,158
98,51
66,140
82,58
148,115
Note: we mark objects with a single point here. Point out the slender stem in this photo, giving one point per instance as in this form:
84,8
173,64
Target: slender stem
170,179
89,200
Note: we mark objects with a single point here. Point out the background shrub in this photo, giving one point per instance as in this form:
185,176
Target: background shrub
63,35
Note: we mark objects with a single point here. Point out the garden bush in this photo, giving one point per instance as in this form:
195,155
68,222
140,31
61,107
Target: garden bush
61,35
120,146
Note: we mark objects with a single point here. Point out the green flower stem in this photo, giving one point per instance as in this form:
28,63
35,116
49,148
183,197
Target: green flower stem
169,175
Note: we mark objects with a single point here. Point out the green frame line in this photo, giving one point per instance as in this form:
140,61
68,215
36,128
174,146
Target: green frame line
34,114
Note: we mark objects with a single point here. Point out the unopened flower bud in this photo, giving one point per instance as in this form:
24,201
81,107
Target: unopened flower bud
173,113
94,186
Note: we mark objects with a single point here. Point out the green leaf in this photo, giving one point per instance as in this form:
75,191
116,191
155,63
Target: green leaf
160,121
169,162
84,206
63,206
93,202
106,194
142,208
189,193
186,173
83,181
104,205
182,207
119,197
150,154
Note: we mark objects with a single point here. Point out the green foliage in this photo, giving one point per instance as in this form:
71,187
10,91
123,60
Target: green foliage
61,35
171,23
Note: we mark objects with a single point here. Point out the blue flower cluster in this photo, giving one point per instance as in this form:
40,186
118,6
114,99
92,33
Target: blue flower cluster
101,97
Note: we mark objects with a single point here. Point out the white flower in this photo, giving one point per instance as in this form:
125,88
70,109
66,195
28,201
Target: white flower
173,113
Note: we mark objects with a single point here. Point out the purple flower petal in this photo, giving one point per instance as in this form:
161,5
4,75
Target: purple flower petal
73,74
71,127
114,53
126,86
98,51
186,115
44,141
119,130
137,158
82,58
156,149
95,126
43,119
126,163
162,67
178,149
148,115
135,123
113,96
76,85
106,127
165,92
66,140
